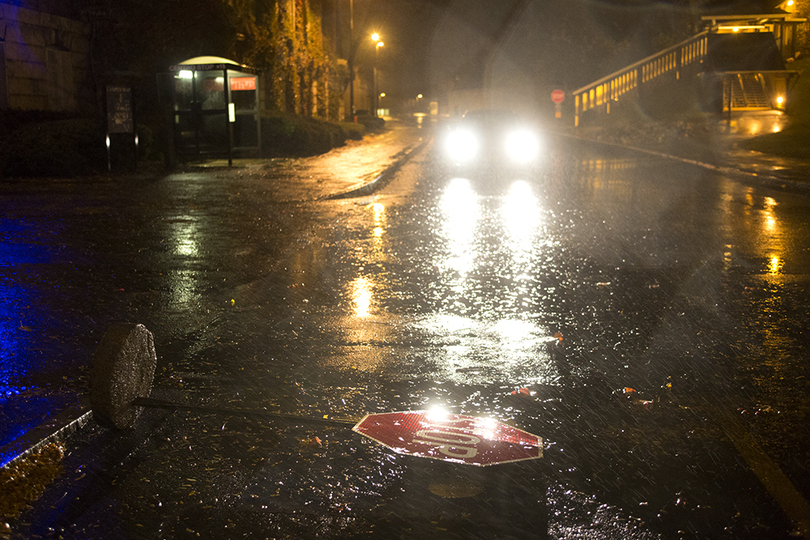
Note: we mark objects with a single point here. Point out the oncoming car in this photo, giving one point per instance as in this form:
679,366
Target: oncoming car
492,138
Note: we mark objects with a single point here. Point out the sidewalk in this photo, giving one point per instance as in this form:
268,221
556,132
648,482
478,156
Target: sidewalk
340,171
713,145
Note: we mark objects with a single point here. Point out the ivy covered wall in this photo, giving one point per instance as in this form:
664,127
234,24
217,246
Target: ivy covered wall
284,40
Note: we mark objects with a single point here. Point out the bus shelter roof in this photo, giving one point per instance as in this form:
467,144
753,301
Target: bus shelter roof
210,63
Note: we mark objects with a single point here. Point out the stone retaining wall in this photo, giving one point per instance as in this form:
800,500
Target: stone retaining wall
44,60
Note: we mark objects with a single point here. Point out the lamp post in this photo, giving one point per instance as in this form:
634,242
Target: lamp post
351,60
376,38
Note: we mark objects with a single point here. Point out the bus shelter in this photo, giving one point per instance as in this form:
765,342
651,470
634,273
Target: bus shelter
215,107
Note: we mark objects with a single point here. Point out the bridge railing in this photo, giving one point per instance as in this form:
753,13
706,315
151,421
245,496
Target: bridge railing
666,65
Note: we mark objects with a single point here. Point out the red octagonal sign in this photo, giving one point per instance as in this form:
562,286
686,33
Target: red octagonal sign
451,437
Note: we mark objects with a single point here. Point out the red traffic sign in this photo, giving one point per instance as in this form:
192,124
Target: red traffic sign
557,96
450,437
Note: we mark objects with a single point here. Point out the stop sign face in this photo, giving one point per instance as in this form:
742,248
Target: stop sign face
451,437
557,96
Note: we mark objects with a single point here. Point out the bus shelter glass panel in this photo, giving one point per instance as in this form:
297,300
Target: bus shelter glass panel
214,109
201,113
244,97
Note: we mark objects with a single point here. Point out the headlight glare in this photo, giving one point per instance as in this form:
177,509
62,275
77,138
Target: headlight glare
461,145
522,146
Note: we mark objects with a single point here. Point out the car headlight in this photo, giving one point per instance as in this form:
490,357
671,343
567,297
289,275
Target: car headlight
522,146
462,145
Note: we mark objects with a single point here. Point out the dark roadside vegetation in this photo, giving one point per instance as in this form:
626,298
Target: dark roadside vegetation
41,144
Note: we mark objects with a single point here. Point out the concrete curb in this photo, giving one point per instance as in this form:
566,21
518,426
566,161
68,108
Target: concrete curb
53,430
383,178
774,182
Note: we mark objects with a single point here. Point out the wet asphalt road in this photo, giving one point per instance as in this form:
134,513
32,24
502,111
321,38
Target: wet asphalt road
603,272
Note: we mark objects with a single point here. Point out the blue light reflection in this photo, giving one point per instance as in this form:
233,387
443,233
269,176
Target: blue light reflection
22,405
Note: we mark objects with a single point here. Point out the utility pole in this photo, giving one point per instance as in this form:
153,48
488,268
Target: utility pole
351,60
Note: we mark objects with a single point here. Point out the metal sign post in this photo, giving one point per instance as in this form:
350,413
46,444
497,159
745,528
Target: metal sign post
557,96
120,117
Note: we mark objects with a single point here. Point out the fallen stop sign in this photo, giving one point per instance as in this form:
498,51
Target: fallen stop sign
451,437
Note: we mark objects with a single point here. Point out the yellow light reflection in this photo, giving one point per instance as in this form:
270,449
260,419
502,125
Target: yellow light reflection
377,254
770,218
379,213
749,198
727,257
361,296
775,265
380,219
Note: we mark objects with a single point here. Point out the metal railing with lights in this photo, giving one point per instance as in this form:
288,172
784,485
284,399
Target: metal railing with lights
687,74
666,66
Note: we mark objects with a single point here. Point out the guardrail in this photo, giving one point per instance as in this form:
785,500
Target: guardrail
668,63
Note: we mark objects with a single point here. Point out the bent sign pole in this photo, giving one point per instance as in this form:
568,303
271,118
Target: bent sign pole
451,437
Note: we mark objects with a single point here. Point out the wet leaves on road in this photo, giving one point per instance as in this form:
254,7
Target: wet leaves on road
24,481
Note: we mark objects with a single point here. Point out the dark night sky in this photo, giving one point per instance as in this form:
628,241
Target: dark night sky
428,42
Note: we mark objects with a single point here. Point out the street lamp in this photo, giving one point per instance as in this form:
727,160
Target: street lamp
351,59
376,37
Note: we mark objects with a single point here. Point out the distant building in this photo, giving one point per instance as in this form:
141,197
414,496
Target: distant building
800,9
785,20
44,56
